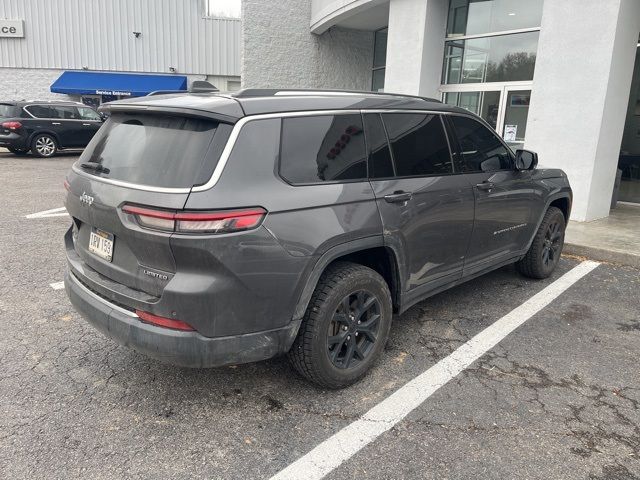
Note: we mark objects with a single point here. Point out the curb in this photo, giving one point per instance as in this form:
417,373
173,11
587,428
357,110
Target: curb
602,254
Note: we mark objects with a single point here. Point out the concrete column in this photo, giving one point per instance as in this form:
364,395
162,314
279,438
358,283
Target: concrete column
581,84
415,46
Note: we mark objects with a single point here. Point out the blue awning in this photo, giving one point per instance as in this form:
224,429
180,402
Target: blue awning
123,84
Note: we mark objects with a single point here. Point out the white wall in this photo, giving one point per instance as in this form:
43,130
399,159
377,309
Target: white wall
580,90
98,34
415,46
279,51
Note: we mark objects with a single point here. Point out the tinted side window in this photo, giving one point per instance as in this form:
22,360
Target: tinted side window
323,149
419,144
40,111
68,113
380,164
482,151
88,114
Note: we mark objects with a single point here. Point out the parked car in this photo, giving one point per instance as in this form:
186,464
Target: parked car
46,127
222,229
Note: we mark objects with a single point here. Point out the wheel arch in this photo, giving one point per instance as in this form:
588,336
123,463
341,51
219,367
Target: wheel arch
40,132
370,252
561,200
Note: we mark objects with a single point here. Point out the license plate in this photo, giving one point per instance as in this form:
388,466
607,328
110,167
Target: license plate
101,244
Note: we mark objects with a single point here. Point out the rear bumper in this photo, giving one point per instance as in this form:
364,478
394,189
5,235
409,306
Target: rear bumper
13,140
187,349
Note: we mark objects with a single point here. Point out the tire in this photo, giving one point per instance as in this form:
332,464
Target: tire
345,327
543,255
19,151
44,145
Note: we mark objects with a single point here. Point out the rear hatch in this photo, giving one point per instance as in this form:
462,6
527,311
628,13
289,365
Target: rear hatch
142,159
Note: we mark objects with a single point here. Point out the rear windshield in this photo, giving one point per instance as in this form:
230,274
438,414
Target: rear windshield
155,150
7,111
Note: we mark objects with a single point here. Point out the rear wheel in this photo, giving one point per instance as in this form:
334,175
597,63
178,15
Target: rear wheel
345,327
544,254
19,151
44,145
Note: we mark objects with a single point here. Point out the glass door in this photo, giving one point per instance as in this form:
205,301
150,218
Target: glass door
515,110
503,106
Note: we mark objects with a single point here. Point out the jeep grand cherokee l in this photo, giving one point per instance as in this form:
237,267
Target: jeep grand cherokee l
46,127
216,229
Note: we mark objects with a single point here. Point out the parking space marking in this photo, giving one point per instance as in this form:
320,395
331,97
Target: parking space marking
331,453
54,212
57,285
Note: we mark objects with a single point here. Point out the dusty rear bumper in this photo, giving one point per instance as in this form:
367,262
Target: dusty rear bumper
187,349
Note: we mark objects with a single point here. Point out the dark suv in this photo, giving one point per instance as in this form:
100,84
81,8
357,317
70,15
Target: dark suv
46,127
221,229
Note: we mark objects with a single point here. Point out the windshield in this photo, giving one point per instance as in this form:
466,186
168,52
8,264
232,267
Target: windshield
154,150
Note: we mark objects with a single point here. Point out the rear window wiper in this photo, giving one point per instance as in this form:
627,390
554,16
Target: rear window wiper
95,167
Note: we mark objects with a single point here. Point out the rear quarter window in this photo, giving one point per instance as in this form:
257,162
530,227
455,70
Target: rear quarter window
9,111
157,150
323,148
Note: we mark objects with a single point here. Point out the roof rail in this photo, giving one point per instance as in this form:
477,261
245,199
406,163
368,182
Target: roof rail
197,86
271,92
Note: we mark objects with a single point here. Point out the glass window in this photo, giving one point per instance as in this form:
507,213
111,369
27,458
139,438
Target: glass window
483,104
67,113
418,143
89,114
40,111
380,164
482,151
515,117
222,8
379,60
476,17
503,58
156,150
323,148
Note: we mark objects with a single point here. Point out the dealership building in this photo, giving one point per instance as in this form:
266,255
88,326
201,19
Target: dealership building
560,77
96,51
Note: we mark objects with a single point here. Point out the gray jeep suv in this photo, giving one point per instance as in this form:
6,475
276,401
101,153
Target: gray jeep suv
213,229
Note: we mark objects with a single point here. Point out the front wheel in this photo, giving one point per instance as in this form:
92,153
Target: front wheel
544,254
44,145
345,327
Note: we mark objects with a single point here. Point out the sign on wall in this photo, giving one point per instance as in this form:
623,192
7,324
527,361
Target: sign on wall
12,28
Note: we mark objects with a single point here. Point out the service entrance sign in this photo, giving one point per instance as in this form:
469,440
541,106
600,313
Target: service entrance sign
12,28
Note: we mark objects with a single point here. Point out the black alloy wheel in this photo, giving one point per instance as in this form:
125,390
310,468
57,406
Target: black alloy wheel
354,328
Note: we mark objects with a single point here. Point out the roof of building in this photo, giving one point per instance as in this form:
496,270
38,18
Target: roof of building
233,106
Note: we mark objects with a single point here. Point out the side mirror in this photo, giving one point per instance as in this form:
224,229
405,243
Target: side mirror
526,160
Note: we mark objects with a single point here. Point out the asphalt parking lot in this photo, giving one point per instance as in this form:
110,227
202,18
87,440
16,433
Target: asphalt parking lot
559,398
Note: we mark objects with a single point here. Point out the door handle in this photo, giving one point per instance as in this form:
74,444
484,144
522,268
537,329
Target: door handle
55,123
488,186
398,197
86,124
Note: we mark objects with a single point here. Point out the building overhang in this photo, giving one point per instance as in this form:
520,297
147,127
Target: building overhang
121,84
355,14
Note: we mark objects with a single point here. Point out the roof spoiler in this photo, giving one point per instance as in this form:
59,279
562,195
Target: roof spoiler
197,86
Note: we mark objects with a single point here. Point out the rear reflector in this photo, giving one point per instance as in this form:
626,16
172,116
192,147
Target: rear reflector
11,125
164,322
67,187
222,221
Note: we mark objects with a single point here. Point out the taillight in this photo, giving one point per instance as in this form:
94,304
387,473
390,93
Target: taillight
147,317
11,125
67,187
221,221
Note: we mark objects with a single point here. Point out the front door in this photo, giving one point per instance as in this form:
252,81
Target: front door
90,122
505,200
426,211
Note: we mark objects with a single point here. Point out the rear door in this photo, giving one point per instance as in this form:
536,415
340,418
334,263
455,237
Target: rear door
141,160
89,123
426,210
505,198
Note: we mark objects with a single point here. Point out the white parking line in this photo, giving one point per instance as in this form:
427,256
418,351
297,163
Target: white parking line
54,212
57,285
331,453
